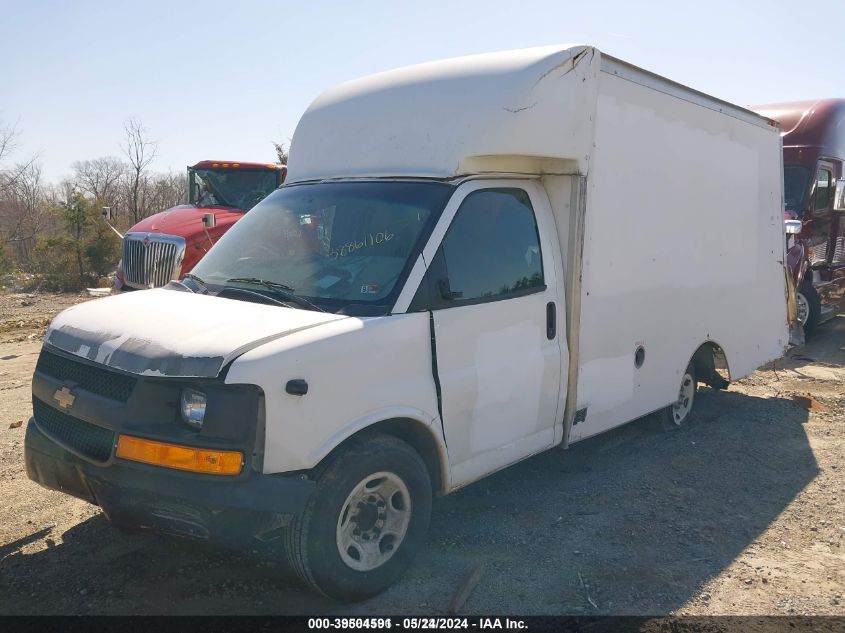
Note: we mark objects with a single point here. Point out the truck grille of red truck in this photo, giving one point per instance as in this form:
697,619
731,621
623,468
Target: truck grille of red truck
89,440
151,260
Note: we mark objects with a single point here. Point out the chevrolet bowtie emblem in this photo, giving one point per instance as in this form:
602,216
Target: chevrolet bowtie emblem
64,397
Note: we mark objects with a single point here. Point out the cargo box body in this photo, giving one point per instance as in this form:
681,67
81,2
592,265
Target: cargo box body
682,244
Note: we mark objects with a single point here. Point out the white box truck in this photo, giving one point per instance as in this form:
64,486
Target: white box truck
472,261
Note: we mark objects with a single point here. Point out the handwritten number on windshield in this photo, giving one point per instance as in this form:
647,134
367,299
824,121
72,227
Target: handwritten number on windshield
369,240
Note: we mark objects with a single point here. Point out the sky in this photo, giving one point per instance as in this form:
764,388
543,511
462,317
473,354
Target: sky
223,80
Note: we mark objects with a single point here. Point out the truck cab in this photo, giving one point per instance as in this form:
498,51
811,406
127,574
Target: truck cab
813,153
168,244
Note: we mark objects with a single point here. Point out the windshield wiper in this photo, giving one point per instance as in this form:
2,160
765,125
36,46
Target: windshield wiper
280,289
274,285
201,283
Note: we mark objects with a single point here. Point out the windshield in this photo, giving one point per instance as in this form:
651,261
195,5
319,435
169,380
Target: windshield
795,181
240,188
336,243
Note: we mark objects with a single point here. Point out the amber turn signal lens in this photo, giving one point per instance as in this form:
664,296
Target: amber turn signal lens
197,460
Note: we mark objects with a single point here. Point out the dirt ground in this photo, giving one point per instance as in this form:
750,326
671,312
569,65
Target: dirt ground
741,512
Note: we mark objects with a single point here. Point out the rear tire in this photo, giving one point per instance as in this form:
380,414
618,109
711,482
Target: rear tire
364,522
808,300
681,411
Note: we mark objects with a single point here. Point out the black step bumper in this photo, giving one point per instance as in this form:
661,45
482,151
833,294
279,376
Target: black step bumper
139,496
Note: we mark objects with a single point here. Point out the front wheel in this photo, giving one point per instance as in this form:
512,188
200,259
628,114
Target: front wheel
680,412
364,522
809,306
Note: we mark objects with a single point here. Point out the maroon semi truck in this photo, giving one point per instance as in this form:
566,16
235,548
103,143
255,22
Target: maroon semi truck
166,245
813,135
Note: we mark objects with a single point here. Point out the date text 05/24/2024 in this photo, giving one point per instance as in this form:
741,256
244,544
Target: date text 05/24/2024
408,624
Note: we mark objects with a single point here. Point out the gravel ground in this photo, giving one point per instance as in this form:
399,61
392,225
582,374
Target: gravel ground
741,512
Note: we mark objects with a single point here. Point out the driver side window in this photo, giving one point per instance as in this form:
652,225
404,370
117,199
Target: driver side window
824,191
491,252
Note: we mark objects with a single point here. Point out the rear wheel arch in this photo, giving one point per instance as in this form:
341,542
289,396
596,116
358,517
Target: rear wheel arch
711,365
708,364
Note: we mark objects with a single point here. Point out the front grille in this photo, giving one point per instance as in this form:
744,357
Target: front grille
818,254
89,440
151,260
839,253
102,382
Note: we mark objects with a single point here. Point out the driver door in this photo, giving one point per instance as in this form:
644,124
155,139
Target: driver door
492,293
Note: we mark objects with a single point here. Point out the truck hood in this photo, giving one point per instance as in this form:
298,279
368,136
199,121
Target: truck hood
185,220
169,333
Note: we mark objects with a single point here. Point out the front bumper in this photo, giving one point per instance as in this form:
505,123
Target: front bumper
139,496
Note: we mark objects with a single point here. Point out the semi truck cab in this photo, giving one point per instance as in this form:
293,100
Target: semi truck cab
167,245
813,154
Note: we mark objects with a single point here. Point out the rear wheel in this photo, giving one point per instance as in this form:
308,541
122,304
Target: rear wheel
365,521
680,412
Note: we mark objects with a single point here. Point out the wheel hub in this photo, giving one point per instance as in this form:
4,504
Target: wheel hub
369,515
373,521
803,308
683,405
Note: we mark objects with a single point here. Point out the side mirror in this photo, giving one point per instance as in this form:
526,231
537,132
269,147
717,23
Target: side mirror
209,221
792,227
107,216
839,196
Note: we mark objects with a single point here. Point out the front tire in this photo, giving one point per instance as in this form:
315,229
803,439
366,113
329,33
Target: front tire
681,411
365,521
809,306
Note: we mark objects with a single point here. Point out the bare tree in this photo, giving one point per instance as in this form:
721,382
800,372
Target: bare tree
8,144
281,152
100,177
7,140
167,190
23,211
141,151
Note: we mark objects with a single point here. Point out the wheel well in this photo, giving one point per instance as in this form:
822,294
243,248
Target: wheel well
711,365
412,432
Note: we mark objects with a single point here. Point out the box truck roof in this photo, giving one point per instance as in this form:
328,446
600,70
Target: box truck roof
523,111
429,120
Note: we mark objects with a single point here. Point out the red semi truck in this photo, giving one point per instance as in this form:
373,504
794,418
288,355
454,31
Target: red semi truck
813,156
166,245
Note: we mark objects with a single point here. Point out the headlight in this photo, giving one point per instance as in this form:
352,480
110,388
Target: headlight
193,407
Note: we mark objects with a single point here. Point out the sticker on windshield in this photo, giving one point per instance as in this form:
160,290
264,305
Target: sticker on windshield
327,282
369,289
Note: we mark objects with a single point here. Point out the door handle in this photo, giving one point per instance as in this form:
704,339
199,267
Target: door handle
551,320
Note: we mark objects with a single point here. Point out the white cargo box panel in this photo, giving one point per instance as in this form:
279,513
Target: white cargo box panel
683,243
